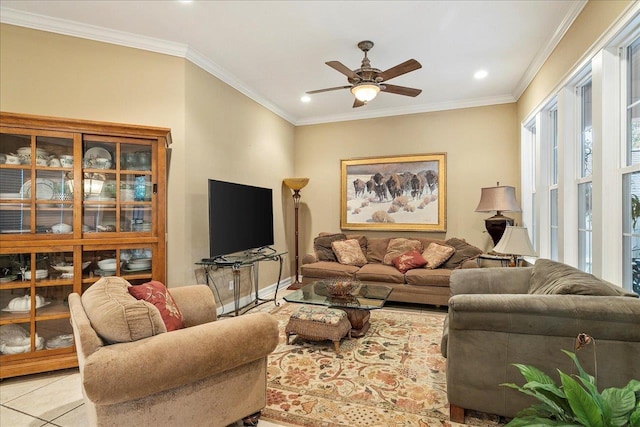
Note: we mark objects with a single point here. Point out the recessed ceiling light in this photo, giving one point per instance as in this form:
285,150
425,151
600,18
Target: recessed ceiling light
305,98
481,74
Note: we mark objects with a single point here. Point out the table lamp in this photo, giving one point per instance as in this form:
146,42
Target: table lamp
499,199
515,243
296,184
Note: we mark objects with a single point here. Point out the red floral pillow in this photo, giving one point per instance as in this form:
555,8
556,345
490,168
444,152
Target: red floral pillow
157,294
409,260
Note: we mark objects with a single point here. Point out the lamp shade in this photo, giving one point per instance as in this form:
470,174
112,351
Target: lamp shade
515,241
296,183
365,92
500,198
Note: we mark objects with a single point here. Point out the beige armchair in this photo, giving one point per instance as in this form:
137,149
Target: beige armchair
211,373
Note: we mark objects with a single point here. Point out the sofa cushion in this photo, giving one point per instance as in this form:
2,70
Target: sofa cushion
349,252
551,277
322,246
464,252
116,315
398,246
409,260
327,269
377,248
436,255
379,273
427,277
156,293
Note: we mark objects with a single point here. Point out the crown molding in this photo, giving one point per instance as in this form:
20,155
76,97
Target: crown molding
91,32
212,68
416,109
543,54
122,38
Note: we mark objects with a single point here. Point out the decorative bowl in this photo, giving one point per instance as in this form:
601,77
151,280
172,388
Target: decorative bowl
341,287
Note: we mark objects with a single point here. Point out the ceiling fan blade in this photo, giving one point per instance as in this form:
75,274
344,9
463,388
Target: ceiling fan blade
400,69
357,103
327,89
400,90
340,67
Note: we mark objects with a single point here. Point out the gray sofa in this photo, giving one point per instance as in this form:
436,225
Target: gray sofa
500,316
419,285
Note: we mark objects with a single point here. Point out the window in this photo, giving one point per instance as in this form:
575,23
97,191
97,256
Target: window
631,173
585,199
553,188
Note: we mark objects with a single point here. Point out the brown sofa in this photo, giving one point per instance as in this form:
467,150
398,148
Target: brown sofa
500,316
418,285
211,373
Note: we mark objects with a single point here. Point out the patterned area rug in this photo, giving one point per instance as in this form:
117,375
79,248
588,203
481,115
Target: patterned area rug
393,376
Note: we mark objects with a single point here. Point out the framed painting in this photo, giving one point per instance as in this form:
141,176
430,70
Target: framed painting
404,193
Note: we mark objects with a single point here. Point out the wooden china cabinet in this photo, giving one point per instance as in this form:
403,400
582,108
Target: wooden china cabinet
78,200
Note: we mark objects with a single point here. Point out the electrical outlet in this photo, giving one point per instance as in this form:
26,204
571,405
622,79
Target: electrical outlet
230,285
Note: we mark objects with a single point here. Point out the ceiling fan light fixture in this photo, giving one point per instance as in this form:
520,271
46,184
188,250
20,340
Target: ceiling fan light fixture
365,92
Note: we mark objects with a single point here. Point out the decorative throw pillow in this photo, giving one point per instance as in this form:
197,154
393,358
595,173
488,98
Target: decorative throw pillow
349,252
551,277
409,260
116,315
398,246
464,252
322,246
436,255
157,294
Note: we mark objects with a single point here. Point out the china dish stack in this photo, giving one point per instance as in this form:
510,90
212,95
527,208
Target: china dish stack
138,264
40,274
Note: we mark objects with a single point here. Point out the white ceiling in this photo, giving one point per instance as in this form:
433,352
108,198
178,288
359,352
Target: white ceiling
274,51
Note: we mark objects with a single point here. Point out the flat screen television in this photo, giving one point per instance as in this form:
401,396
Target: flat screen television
240,218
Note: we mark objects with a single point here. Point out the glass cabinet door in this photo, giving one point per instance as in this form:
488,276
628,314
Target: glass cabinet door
34,176
36,285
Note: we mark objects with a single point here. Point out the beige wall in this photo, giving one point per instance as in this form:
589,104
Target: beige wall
481,146
217,132
231,138
593,21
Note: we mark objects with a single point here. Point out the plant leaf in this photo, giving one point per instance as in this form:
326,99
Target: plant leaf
533,374
583,405
634,418
581,372
621,401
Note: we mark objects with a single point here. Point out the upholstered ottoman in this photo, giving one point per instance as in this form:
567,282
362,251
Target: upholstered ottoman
319,323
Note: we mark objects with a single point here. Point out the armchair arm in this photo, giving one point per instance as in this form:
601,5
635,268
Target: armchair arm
127,371
309,258
506,280
610,318
196,303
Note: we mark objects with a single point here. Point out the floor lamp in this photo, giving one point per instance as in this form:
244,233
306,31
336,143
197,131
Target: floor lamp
296,184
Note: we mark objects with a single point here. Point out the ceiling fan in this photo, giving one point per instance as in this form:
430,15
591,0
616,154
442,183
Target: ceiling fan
366,82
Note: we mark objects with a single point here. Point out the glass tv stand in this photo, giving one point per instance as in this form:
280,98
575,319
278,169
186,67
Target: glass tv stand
251,260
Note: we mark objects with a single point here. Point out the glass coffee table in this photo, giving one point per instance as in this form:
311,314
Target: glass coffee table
357,304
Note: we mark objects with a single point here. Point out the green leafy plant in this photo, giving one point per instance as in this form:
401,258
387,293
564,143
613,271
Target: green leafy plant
577,401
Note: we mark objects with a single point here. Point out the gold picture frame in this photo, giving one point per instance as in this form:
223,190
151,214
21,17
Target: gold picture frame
401,193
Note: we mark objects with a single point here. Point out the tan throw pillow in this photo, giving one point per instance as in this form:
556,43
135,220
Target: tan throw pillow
116,315
398,246
349,252
436,255
409,260
322,246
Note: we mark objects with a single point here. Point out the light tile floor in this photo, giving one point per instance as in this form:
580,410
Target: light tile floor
55,398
